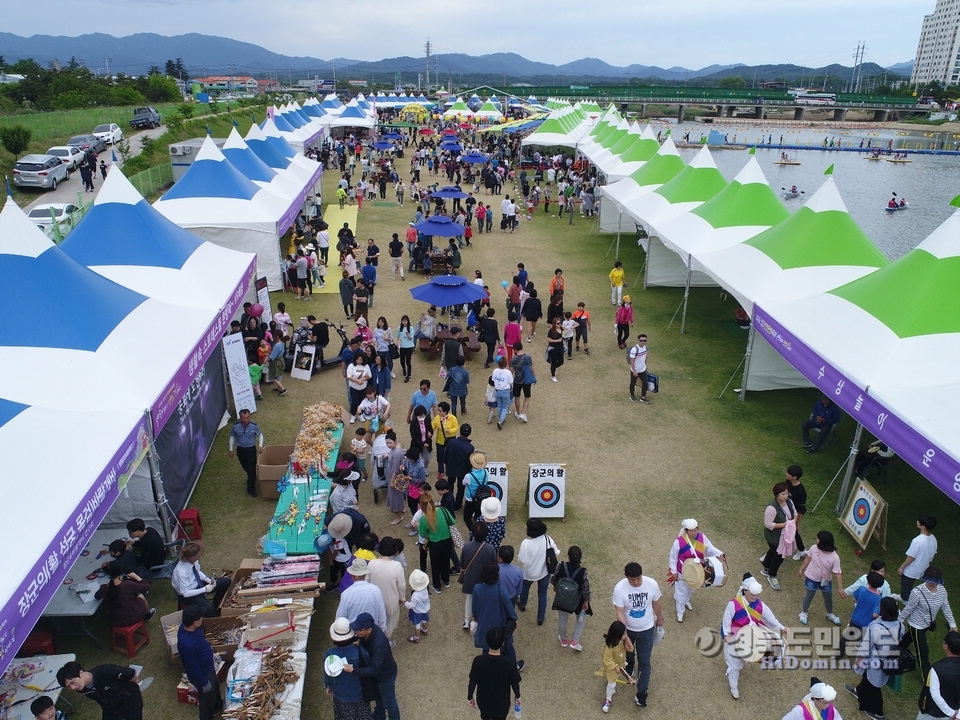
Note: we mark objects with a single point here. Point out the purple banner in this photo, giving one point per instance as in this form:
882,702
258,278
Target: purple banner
931,461
169,399
28,601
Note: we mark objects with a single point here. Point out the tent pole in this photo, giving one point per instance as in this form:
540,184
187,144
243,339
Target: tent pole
836,475
686,295
746,364
731,378
159,496
848,473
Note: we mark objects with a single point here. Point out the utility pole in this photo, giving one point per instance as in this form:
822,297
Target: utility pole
106,61
427,48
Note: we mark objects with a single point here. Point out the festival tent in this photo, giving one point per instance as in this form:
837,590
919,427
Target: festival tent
631,159
236,150
331,104
299,137
353,116
457,109
489,111
606,157
884,348
660,169
602,145
300,167
214,201
474,102
817,249
264,148
564,127
103,436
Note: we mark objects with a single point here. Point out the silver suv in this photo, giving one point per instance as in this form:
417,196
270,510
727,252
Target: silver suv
42,171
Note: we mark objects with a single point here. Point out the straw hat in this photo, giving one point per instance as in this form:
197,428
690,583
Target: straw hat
340,630
339,526
419,580
490,509
359,568
478,460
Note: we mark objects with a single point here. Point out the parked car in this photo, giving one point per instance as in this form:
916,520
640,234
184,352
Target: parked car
43,171
88,142
110,133
145,117
67,214
71,155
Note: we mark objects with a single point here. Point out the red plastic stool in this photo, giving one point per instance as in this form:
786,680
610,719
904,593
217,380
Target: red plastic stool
189,524
124,639
39,642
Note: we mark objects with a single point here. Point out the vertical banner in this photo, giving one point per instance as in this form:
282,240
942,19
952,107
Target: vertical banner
263,297
499,482
546,490
235,356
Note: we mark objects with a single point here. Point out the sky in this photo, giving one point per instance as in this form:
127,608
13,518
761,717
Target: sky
698,33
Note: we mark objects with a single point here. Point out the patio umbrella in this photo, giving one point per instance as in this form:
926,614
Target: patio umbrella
451,147
450,192
425,131
393,136
447,290
440,226
383,145
449,131
474,157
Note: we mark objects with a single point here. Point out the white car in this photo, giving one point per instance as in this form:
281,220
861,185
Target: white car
110,133
67,214
69,155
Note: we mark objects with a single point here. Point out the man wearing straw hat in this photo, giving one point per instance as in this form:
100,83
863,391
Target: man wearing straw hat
690,545
192,586
362,597
476,492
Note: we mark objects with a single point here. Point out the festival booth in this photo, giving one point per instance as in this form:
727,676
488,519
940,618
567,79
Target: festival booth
214,201
99,330
629,160
604,157
489,112
236,150
817,249
884,348
660,169
279,155
354,119
458,109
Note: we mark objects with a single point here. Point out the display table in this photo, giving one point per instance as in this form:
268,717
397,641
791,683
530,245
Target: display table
75,597
302,507
27,679
246,666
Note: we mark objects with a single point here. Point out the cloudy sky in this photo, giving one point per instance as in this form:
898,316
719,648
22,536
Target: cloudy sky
691,34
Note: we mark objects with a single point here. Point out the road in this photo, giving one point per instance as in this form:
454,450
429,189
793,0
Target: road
68,192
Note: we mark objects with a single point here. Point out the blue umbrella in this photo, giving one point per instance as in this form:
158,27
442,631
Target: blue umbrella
451,147
392,136
474,157
440,226
451,192
447,290
383,145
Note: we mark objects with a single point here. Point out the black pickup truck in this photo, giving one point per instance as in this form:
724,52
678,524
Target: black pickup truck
145,117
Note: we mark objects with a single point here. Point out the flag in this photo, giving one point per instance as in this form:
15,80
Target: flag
753,150
6,180
236,124
209,131
956,201
253,118
828,171
113,155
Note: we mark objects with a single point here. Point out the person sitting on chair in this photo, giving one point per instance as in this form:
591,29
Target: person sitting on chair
824,416
126,598
877,455
192,586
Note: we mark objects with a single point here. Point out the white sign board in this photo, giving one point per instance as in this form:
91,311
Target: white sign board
235,356
303,359
499,481
546,490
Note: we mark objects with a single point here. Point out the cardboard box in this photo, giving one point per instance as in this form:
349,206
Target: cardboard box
171,623
269,629
242,605
272,465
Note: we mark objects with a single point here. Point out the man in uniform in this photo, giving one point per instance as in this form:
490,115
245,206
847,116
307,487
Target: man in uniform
247,438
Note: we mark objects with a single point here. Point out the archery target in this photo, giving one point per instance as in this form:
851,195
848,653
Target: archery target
547,483
863,511
499,482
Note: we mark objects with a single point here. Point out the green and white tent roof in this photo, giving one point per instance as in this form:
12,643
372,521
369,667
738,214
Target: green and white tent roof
601,147
694,185
660,169
564,127
817,249
742,210
885,347
489,110
459,108
633,158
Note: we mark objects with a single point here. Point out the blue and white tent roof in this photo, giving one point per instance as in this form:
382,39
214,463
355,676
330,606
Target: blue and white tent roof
158,259
309,171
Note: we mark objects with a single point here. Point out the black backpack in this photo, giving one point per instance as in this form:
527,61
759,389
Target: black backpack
568,591
484,491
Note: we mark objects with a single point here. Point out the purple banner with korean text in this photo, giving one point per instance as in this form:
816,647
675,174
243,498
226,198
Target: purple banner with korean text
925,457
28,601
178,386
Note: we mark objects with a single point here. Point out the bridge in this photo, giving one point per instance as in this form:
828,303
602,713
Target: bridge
726,101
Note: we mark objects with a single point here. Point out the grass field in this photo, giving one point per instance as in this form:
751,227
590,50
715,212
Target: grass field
634,472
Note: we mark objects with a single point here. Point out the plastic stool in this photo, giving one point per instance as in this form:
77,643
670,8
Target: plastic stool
39,642
189,524
124,639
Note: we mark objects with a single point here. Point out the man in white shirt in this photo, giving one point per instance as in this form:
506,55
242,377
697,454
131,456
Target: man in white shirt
362,597
919,555
639,607
192,586
637,362
505,212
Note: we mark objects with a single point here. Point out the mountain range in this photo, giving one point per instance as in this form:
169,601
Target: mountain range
212,55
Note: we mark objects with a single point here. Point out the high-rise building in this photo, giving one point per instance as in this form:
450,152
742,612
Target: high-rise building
938,52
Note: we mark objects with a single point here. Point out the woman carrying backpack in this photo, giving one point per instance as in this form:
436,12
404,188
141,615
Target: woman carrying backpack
572,597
